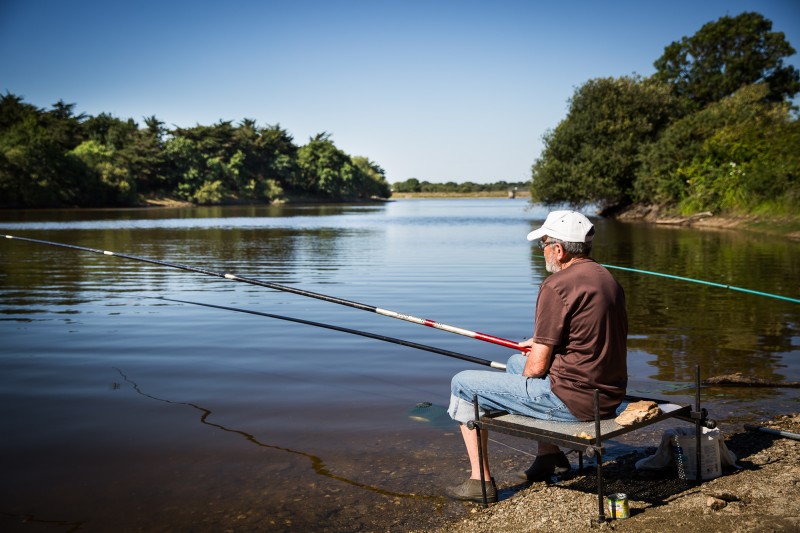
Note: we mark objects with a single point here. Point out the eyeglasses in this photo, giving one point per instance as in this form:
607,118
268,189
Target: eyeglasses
543,245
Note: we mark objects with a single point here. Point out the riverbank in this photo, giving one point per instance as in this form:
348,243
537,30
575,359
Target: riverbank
787,226
763,495
439,195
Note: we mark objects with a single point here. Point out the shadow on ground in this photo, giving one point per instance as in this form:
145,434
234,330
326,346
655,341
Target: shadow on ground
652,487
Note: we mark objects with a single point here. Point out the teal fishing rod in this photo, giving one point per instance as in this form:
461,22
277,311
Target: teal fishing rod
702,282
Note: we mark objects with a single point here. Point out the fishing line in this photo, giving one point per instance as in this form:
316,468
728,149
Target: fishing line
711,283
232,277
440,351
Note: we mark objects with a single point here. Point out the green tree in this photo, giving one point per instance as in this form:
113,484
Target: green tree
117,186
409,185
57,158
373,180
325,170
147,159
207,162
186,163
269,163
112,152
726,55
591,156
36,166
739,154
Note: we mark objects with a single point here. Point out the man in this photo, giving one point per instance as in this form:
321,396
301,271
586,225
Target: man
579,345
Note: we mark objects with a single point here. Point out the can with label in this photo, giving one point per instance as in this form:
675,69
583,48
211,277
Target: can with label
618,505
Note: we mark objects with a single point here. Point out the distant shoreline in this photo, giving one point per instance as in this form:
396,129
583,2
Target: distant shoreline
787,226
482,194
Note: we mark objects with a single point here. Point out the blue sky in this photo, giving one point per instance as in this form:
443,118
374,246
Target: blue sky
437,90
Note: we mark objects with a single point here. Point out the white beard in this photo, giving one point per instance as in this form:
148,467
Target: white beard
552,266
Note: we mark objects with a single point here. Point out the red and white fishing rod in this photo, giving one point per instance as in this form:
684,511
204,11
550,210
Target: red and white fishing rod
233,277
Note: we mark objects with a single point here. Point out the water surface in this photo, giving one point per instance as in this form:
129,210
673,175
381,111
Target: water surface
123,411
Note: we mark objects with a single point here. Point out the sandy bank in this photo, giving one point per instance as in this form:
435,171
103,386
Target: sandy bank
764,495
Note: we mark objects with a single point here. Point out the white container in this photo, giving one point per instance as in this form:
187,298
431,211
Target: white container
710,463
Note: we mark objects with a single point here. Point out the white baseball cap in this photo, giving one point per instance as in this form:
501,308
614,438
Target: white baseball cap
567,226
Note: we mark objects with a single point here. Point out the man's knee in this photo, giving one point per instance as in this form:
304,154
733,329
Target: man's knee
516,363
461,382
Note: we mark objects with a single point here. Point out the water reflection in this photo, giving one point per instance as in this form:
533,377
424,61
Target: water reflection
684,324
68,318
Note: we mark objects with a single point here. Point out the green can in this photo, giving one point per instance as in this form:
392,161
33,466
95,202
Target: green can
618,505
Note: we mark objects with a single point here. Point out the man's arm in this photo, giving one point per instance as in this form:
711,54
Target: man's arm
538,361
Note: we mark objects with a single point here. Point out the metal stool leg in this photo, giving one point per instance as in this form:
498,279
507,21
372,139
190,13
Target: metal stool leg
601,516
480,451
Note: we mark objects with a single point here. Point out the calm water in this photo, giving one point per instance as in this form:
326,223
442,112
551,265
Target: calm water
120,411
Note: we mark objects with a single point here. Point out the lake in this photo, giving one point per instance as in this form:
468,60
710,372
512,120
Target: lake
123,411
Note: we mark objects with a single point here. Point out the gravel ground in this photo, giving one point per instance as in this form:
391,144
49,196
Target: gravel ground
764,495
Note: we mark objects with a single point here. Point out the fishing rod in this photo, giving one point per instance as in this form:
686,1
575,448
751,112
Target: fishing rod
232,277
448,353
711,283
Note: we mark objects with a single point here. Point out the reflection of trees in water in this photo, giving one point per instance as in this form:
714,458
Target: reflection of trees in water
317,464
684,323
39,276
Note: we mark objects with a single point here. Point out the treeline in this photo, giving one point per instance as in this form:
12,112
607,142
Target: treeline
55,158
713,129
414,185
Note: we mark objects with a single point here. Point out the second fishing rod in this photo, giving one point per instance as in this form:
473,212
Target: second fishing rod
333,299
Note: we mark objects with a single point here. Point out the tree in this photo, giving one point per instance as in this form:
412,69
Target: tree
735,155
36,167
118,187
52,158
269,163
409,185
373,180
326,170
726,55
591,156
147,159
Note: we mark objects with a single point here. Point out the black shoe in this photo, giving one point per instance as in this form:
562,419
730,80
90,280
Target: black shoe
546,466
471,490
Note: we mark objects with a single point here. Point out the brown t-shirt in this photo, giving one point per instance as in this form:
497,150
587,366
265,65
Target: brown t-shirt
580,311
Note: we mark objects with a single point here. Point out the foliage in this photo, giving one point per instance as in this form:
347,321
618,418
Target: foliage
373,183
324,169
100,161
36,164
726,55
412,185
733,155
55,158
713,129
409,185
591,156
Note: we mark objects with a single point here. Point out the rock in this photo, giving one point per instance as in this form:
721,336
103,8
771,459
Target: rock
739,379
638,412
715,503
724,496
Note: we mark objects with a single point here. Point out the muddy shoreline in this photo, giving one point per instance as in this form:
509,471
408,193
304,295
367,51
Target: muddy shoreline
763,495
787,226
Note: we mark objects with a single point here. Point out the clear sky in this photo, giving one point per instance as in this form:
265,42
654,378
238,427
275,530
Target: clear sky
448,90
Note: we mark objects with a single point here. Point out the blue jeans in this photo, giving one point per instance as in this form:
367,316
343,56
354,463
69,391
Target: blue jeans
509,391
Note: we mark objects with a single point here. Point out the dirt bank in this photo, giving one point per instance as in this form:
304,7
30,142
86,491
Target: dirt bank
764,495
787,226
